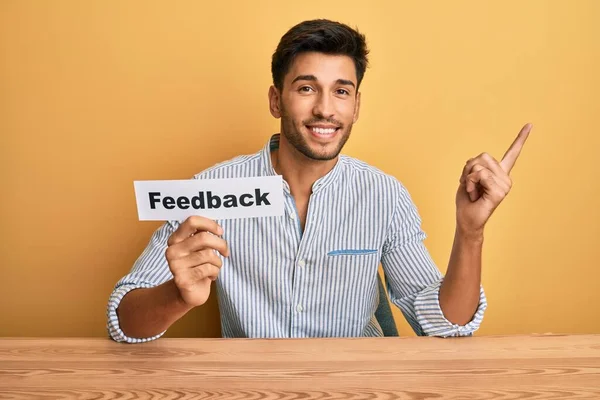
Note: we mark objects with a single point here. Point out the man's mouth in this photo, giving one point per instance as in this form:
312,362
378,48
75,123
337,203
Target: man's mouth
323,131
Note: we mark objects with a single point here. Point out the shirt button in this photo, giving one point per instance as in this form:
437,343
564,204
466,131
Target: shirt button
299,308
301,263
291,216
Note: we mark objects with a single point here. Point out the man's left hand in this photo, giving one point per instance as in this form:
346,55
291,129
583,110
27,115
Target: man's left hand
484,183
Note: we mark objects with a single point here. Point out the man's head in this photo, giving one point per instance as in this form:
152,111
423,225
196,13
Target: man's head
317,70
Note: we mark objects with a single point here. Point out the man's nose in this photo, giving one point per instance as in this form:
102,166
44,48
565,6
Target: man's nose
324,106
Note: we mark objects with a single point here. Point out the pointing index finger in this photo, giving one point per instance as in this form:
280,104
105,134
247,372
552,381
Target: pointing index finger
511,155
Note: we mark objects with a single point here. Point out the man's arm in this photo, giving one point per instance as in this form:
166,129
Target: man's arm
148,312
413,280
149,271
460,290
172,275
484,184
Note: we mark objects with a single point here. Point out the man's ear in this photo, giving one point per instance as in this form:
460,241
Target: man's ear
274,101
356,108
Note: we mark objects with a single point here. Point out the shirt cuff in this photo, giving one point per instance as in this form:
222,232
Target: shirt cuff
432,320
114,330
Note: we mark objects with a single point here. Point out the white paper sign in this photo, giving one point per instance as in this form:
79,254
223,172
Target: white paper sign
212,198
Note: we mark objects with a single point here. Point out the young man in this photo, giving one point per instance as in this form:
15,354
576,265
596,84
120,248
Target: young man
313,272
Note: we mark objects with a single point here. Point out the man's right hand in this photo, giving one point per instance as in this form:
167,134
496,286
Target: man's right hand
192,258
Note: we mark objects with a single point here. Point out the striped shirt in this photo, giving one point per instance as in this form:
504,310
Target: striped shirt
284,282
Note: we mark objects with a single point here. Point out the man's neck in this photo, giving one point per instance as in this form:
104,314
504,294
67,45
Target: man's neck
299,171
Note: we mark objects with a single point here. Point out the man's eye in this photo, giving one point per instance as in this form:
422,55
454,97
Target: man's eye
342,91
305,89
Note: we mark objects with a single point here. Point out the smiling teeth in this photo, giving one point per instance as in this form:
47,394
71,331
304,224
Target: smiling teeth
322,131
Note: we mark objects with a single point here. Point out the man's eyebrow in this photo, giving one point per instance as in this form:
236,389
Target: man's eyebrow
314,79
304,78
346,82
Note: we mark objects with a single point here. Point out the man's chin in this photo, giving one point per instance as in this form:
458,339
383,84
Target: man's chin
322,154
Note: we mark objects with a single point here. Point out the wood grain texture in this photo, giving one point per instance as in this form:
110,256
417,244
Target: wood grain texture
512,367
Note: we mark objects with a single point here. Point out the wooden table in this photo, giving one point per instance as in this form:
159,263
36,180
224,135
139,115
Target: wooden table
512,367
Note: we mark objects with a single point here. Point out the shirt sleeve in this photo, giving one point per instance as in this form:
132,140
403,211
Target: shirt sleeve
150,270
413,280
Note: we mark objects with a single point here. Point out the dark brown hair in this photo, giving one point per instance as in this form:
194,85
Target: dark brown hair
323,36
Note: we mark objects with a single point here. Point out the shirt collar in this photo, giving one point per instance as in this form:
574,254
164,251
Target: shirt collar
320,184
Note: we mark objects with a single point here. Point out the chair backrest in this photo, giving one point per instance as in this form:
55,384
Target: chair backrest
383,314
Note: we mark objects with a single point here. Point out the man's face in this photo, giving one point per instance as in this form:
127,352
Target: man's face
318,104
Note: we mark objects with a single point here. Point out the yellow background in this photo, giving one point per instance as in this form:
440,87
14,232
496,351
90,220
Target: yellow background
97,94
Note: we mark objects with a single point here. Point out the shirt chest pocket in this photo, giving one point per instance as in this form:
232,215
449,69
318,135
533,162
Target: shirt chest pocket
364,259
350,276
